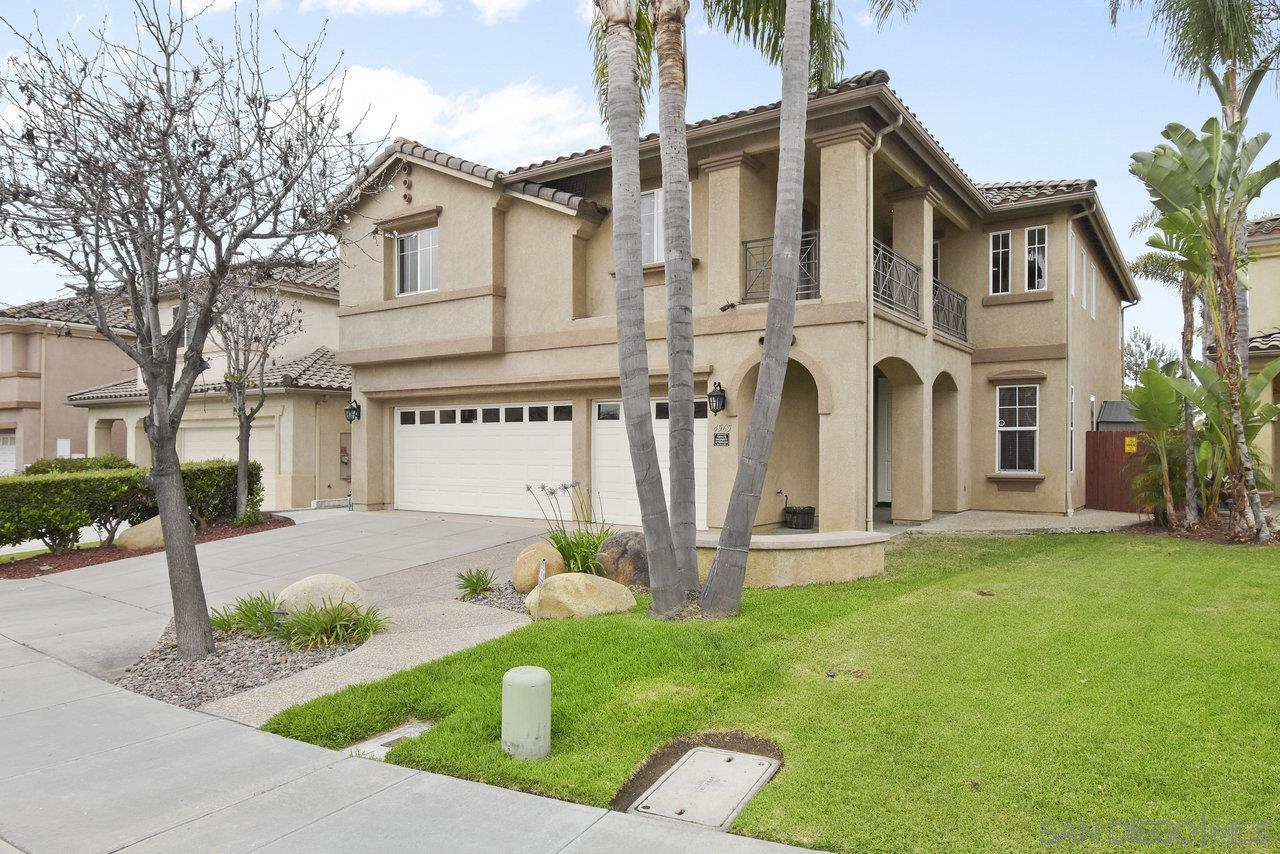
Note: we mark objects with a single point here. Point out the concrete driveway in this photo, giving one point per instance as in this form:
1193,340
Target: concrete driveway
103,618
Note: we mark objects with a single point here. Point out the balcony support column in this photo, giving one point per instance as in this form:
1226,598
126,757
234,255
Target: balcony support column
913,238
842,213
735,200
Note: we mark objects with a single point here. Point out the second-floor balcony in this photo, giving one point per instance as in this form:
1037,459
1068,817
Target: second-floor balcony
950,311
895,281
757,260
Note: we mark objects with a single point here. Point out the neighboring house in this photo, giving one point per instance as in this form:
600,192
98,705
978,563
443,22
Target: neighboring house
300,437
48,349
1264,316
955,336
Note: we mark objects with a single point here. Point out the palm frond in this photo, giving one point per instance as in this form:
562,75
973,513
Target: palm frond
760,23
600,61
1206,33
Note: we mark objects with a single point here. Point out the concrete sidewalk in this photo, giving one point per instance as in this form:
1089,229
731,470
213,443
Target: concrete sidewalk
1000,522
89,767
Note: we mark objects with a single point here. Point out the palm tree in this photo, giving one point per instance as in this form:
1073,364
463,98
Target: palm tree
1231,45
617,18
660,28
1163,267
722,595
1202,185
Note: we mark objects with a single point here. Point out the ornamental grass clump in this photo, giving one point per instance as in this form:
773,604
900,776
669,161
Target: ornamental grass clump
327,624
577,538
475,581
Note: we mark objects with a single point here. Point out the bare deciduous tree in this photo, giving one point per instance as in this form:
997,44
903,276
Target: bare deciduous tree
159,169
255,321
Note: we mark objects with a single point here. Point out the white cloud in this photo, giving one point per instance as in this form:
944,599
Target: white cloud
516,124
496,11
586,10
865,19
356,7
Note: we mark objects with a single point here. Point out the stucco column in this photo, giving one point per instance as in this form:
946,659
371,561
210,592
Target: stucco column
842,213
582,422
912,452
913,238
137,446
100,436
730,181
370,481
842,439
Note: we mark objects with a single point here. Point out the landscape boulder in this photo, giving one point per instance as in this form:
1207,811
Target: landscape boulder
317,589
577,594
625,560
524,575
144,535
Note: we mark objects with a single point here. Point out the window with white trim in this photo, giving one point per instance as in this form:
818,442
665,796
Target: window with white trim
188,328
1084,279
1093,414
1093,291
937,260
1037,258
1001,261
1071,430
416,261
652,248
1017,427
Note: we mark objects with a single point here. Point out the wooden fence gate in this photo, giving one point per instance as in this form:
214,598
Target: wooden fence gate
1108,475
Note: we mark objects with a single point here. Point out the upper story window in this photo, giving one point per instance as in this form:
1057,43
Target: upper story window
1038,258
1093,291
1001,261
188,328
652,247
1017,427
416,262
937,260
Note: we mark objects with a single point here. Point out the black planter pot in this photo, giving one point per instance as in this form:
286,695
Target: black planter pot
798,518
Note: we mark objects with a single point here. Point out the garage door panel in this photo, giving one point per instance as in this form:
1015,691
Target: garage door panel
200,442
479,467
613,479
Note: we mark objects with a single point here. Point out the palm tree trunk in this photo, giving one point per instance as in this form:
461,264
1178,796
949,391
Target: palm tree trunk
1247,503
1191,517
722,595
668,17
623,118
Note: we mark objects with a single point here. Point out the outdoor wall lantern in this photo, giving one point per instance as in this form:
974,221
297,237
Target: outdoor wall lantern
716,398
352,411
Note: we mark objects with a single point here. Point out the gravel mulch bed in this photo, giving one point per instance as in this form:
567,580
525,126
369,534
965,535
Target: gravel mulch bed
505,597
1219,533
241,661
47,564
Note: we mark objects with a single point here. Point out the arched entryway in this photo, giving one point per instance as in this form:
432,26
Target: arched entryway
903,466
946,444
793,463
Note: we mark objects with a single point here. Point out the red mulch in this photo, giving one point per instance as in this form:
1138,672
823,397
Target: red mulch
47,564
1217,534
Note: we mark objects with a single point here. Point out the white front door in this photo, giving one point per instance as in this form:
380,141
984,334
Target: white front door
478,459
198,442
884,441
613,480
8,452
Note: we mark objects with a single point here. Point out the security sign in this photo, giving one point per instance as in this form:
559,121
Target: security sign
1131,444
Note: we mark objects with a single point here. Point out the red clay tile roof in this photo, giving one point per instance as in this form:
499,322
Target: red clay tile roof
1017,192
1267,341
317,371
1263,225
71,309
580,205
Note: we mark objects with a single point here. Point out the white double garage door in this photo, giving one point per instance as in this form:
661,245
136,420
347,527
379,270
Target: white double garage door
481,459
218,440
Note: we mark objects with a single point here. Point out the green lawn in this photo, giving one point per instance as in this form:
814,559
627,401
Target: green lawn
1109,677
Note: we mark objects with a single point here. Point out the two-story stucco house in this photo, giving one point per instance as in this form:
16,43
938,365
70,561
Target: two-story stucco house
1264,316
300,437
951,339
47,349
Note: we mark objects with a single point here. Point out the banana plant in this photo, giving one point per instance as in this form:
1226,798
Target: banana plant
1155,403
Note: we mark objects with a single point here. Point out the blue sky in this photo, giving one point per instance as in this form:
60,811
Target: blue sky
1013,90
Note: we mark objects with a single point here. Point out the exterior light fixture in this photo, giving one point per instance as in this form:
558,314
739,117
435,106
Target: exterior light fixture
352,411
716,398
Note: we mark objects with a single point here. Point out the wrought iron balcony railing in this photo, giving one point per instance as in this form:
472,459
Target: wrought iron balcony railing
950,311
757,260
896,281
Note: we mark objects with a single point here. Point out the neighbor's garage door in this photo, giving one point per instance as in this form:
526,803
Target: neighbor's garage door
612,479
8,452
479,459
197,442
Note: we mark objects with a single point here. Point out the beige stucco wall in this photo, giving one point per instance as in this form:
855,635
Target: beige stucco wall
40,364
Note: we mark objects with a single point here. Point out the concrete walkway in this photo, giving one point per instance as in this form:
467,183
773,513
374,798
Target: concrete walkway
88,767
998,522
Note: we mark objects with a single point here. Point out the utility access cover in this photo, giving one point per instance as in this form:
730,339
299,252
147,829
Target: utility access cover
380,745
707,786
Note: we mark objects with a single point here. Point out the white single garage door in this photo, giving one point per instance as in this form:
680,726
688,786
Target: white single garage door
479,459
199,442
8,452
612,478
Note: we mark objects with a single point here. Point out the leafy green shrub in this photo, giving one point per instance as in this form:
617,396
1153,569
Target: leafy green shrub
475,581
67,465
249,518
568,514
330,624
52,508
254,614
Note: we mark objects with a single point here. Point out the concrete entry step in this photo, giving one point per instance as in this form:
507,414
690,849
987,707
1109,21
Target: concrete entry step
380,745
707,787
